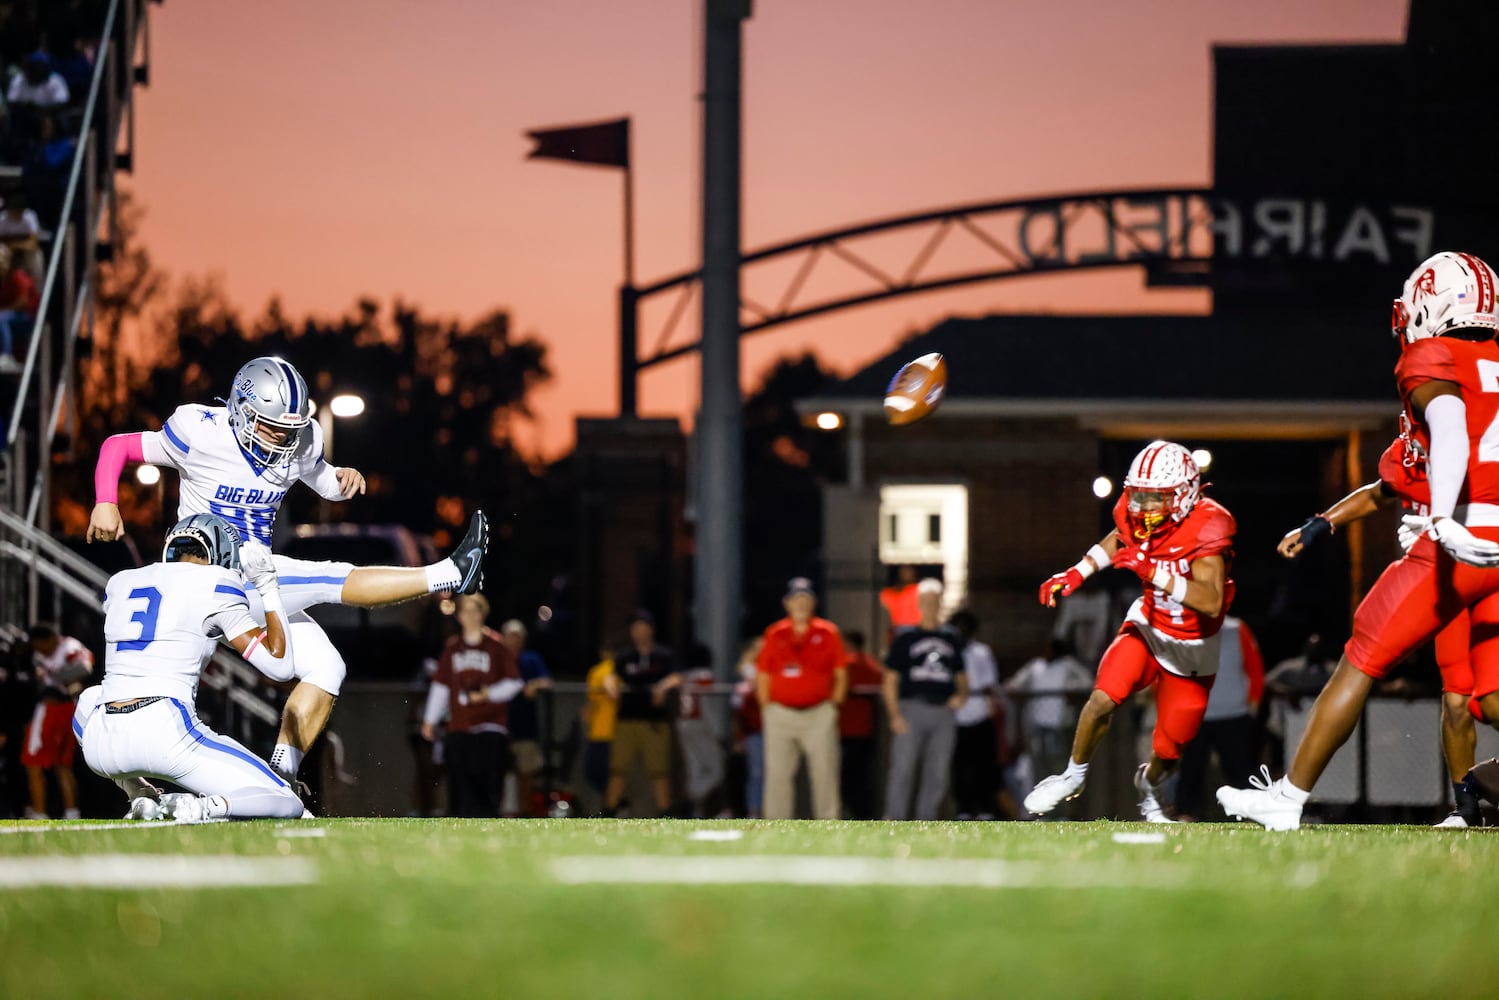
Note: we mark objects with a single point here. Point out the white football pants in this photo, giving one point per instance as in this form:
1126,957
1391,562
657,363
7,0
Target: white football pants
304,584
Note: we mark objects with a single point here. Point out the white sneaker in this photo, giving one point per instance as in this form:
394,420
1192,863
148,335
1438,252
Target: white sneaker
1454,821
1150,806
31,813
1052,792
146,808
72,814
1263,803
183,807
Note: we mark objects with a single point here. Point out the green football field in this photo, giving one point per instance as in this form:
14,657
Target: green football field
466,908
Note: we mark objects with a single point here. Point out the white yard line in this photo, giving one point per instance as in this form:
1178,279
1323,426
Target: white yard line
135,824
1126,837
715,835
154,871
792,869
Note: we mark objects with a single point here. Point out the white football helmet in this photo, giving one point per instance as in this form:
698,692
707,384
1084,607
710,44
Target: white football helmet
269,393
1446,291
1161,488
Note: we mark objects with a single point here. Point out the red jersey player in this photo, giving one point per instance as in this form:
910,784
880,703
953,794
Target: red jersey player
1180,544
1402,476
1448,375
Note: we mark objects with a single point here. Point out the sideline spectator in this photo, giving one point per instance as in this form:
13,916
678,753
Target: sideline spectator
599,711
525,729
1228,723
899,602
856,733
476,678
702,750
1288,682
438,626
750,730
18,305
644,674
60,665
924,686
1044,685
17,696
975,762
800,680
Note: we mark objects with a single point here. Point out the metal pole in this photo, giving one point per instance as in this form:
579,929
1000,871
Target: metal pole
629,300
720,520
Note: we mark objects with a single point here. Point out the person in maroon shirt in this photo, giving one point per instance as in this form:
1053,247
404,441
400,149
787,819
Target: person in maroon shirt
476,678
800,680
856,730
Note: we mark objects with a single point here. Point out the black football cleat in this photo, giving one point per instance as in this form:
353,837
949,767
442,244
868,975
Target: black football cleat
469,555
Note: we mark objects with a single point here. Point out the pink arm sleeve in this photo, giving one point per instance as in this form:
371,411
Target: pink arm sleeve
117,450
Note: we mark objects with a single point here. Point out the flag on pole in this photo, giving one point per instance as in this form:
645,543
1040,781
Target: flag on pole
604,144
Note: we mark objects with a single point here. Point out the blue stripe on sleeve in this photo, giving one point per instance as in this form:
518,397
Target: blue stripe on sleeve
166,429
225,588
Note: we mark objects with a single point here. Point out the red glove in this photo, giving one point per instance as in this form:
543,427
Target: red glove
1133,558
1063,584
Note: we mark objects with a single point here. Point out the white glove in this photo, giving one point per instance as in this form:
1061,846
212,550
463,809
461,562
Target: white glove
1412,527
256,563
1463,544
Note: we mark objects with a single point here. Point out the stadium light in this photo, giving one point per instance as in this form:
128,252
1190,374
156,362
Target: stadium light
1102,487
147,475
829,421
346,405
1203,458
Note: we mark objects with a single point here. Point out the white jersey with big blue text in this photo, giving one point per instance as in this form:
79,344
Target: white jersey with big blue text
218,476
160,625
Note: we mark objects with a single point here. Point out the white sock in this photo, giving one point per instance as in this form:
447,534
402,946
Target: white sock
1290,791
215,806
286,760
443,575
1076,770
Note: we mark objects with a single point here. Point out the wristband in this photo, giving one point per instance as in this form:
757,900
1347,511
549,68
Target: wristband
1099,559
1179,591
1169,583
1316,528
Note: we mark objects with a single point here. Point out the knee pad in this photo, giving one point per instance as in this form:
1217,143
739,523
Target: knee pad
314,658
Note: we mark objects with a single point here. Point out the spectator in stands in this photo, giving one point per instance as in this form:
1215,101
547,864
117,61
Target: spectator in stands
476,679
60,665
18,305
21,231
644,674
975,762
925,685
749,729
35,93
800,680
525,723
599,711
857,743
702,749
1045,687
45,172
1228,724
76,67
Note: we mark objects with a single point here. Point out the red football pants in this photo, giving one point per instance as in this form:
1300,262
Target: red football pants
1128,666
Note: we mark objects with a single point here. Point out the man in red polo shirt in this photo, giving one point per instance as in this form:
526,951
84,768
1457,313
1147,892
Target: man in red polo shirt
800,681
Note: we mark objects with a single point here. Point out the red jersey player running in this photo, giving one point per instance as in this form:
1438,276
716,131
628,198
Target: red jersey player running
1180,544
1402,476
1448,376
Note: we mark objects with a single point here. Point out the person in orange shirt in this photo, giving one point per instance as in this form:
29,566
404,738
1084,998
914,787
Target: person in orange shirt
856,730
800,680
899,602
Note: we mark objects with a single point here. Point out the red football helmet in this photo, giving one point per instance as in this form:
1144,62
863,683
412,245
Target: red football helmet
1446,291
1161,489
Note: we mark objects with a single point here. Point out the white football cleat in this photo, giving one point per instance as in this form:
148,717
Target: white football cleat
1453,821
145,808
1150,806
1052,792
183,807
1263,803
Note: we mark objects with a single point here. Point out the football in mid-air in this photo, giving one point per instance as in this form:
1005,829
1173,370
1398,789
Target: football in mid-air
916,390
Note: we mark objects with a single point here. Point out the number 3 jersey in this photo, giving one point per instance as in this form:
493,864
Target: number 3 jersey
1207,531
219,477
160,625
1474,366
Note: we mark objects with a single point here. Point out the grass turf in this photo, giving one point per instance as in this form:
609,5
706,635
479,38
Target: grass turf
418,908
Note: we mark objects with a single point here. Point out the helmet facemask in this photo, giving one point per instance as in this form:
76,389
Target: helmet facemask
1160,490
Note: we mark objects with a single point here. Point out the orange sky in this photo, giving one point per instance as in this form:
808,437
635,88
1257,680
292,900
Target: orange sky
324,150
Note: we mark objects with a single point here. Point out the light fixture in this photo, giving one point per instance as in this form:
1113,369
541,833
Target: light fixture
147,475
1203,458
829,421
1102,487
346,405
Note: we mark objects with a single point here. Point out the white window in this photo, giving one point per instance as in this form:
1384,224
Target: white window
927,523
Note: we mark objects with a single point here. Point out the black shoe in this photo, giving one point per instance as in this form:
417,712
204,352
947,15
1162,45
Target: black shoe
469,556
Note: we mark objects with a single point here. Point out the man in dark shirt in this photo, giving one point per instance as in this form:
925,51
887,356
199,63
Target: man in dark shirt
644,673
925,685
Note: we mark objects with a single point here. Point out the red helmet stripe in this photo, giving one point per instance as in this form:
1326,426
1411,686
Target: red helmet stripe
1481,275
1150,461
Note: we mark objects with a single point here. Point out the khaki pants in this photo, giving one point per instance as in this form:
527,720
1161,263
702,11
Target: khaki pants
790,733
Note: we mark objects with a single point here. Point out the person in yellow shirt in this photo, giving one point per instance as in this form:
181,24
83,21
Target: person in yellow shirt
599,711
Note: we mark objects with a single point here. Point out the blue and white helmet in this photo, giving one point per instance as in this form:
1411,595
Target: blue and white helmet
269,393
209,532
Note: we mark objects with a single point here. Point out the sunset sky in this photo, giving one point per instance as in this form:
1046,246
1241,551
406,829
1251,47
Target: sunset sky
324,150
